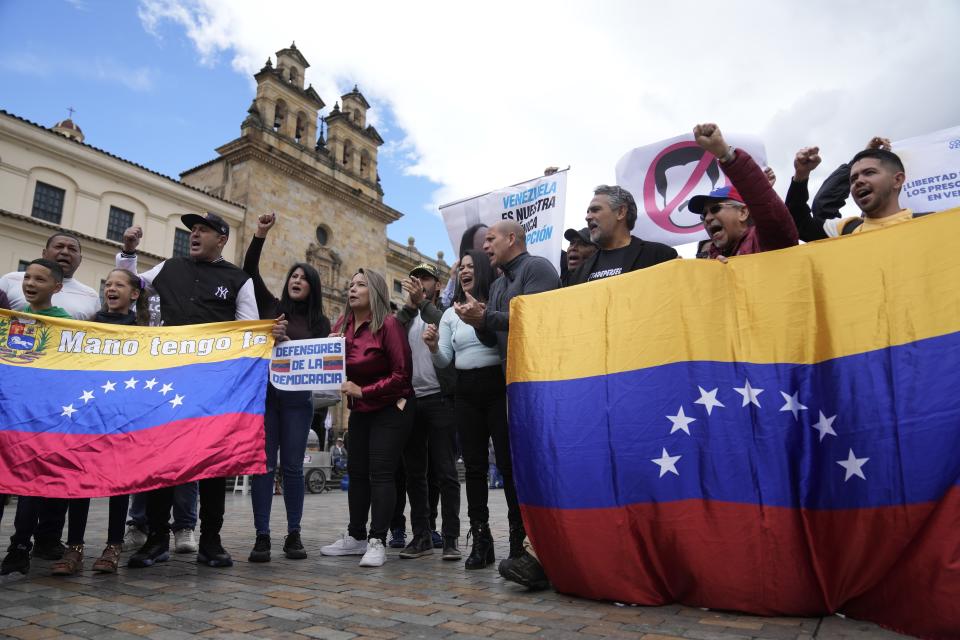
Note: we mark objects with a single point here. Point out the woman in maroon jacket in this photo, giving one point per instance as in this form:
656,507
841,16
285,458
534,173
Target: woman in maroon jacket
379,370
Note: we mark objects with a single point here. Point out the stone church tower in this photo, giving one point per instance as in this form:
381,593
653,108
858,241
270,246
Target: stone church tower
326,193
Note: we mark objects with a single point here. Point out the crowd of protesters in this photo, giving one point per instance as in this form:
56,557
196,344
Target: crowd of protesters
425,384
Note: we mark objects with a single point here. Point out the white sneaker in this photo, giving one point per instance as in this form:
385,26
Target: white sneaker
184,541
376,554
133,539
347,545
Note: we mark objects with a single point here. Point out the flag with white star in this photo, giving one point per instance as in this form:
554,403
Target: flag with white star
100,410
756,435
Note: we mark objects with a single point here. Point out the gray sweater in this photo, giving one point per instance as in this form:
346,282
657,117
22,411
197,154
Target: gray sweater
522,276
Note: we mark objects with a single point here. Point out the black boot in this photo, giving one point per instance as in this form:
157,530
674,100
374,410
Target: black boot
155,549
211,553
481,552
517,536
17,559
261,549
525,570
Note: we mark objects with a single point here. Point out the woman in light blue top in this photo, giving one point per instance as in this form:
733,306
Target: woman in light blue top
480,404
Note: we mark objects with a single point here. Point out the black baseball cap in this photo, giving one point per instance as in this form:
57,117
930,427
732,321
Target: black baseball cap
211,220
583,235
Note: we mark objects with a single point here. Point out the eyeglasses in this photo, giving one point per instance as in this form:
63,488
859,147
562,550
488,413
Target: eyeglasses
717,207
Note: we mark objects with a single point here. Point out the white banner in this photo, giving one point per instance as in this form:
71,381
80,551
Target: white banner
538,205
301,365
664,176
932,162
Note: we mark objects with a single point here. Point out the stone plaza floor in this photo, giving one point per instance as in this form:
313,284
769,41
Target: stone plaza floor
334,598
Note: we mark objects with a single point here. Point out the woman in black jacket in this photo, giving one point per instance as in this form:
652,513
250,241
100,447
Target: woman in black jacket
288,414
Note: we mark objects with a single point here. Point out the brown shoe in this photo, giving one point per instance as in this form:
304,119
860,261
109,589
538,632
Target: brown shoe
71,563
109,559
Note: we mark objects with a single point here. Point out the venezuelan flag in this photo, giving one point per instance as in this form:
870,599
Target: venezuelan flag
778,435
89,409
332,363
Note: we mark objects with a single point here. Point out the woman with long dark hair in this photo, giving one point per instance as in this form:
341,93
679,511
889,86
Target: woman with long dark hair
480,400
471,240
379,386
288,414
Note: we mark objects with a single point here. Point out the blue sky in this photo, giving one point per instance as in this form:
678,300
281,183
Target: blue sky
150,99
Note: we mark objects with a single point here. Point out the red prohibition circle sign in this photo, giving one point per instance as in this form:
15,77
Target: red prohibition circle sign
661,217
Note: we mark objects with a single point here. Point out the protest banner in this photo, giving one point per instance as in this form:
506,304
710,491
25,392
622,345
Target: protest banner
537,205
663,176
314,365
932,164
90,409
793,455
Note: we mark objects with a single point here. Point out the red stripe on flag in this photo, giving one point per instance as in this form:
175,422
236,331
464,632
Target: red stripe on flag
896,566
84,466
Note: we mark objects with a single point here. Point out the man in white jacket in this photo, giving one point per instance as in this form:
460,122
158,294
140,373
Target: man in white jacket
79,300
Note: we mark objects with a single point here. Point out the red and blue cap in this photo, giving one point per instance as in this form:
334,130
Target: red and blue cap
698,203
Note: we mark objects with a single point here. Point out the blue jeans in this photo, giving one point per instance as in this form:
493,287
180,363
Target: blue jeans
496,480
184,508
286,422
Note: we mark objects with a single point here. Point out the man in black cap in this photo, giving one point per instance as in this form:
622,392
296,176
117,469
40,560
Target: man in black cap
197,289
580,249
429,456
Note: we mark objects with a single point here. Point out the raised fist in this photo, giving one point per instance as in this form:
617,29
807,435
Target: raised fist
806,160
876,142
708,136
264,224
131,239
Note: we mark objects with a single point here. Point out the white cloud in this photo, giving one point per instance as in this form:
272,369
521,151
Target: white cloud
489,94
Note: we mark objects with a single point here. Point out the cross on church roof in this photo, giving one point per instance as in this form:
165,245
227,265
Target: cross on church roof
70,110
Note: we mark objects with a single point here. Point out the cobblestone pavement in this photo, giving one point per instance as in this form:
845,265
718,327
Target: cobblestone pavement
334,598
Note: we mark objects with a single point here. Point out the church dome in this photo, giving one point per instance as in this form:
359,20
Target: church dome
70,129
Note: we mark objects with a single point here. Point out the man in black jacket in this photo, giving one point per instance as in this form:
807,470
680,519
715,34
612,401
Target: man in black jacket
611,216
431,445
197,289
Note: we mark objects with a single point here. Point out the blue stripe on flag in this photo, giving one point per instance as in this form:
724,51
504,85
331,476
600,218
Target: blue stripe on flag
592,442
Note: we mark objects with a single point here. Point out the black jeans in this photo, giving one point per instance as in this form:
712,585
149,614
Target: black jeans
376,443
481,411
430,447
52,516
399,521
116,519
213,492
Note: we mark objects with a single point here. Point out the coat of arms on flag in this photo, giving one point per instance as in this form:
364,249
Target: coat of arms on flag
23,339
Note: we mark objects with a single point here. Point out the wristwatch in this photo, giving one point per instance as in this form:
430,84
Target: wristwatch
729,155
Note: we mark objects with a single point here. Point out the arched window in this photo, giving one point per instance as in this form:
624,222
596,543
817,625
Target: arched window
323,235
347,153
301,123
293,75
364,163
279,115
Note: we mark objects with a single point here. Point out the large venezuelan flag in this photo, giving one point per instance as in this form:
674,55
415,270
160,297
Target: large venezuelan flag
777,435
90,409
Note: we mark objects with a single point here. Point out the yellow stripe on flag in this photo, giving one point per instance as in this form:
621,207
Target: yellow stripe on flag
41,342
801,305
